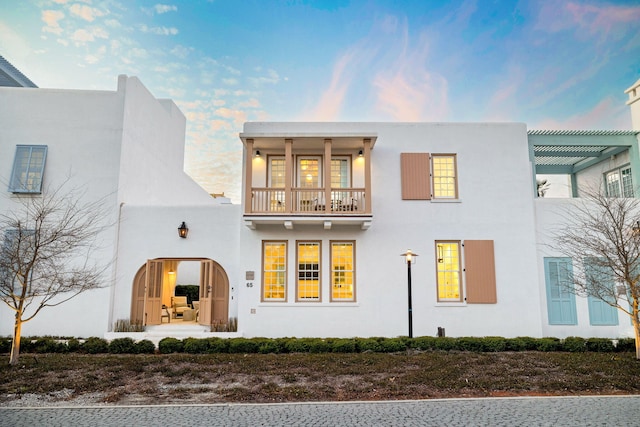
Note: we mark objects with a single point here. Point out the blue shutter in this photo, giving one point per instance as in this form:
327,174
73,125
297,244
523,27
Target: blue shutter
600,313
561,304
28,169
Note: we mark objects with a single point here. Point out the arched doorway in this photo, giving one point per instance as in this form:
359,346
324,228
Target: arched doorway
153,288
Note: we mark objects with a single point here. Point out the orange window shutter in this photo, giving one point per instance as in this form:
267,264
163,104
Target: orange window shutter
480,272
415,176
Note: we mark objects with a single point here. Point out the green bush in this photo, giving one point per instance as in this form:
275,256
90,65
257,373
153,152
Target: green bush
266,346
242,345
368,344
626,344
424,343
73,344
122,346
5,345
493,344
318,345
446,344
600,345
144,347
196,346
343,345
470,344
520,344
393,345
574,344
95,345
548,344
170,345
295,345
218,345
48,345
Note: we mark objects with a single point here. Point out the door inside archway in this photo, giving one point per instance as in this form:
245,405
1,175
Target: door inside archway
154,286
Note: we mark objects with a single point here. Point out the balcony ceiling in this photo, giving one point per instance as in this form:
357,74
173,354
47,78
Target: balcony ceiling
313,141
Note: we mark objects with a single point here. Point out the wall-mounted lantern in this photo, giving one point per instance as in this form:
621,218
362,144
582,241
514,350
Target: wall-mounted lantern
183,230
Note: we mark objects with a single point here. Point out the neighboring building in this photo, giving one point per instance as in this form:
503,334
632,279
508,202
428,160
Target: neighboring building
10,76
327,209
634,104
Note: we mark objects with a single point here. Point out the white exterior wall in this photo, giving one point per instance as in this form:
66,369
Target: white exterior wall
549,219
152,232
595,174
124,146
496,203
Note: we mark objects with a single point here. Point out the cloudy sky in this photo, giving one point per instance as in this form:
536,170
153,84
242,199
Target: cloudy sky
551,64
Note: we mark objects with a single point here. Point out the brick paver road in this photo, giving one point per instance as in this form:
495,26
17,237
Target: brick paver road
546,411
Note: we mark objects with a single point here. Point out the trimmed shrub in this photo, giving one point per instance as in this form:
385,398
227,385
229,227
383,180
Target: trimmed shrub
548,344
170,345
122,346
144,347
368,344
218,345
600,345
319,345
266,346
493,344
73,344
5,345
520,344
242,345
626,344
470,344
295,345
196,346
574,344
424,343
343,345
95,345
48,345
445,343
393,345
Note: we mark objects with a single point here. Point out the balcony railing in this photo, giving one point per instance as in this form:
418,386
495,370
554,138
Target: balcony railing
309,201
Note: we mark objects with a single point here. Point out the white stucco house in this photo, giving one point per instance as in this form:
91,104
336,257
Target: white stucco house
314,248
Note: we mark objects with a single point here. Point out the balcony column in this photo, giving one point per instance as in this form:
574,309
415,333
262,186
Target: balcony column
367,175
288,174
327,175
248,176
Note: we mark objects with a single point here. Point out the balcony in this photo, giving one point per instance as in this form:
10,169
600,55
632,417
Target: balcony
295,180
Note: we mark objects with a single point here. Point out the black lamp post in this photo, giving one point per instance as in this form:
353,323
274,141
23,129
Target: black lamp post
408,258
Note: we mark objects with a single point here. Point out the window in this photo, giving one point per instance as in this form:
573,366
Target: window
340,172
28,169
309,172
444,176
448,271
561,303
276,172
619,182
342,271
274,268
308,286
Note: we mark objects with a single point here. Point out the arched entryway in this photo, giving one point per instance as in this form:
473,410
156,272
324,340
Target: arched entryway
154,283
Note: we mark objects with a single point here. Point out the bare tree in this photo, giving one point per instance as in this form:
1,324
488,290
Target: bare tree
604,234
46,253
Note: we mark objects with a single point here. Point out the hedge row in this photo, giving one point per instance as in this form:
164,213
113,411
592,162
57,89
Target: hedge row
95,345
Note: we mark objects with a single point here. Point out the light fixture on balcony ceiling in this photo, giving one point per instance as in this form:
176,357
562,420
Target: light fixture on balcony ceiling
360,153
257,153
183,230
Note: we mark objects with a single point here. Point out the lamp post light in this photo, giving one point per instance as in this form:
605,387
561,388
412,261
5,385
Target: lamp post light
409,258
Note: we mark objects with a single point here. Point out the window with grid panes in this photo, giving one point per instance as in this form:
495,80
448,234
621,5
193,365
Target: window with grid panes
308,286
448,271
444,176
274,271
28,169
342,271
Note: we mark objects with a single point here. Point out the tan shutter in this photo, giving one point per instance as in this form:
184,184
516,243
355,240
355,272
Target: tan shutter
415,176
480,272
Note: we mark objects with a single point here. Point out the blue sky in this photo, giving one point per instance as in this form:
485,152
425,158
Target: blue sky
550,64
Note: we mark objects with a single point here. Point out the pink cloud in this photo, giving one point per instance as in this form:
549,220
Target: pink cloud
331,100
85,12
51,18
